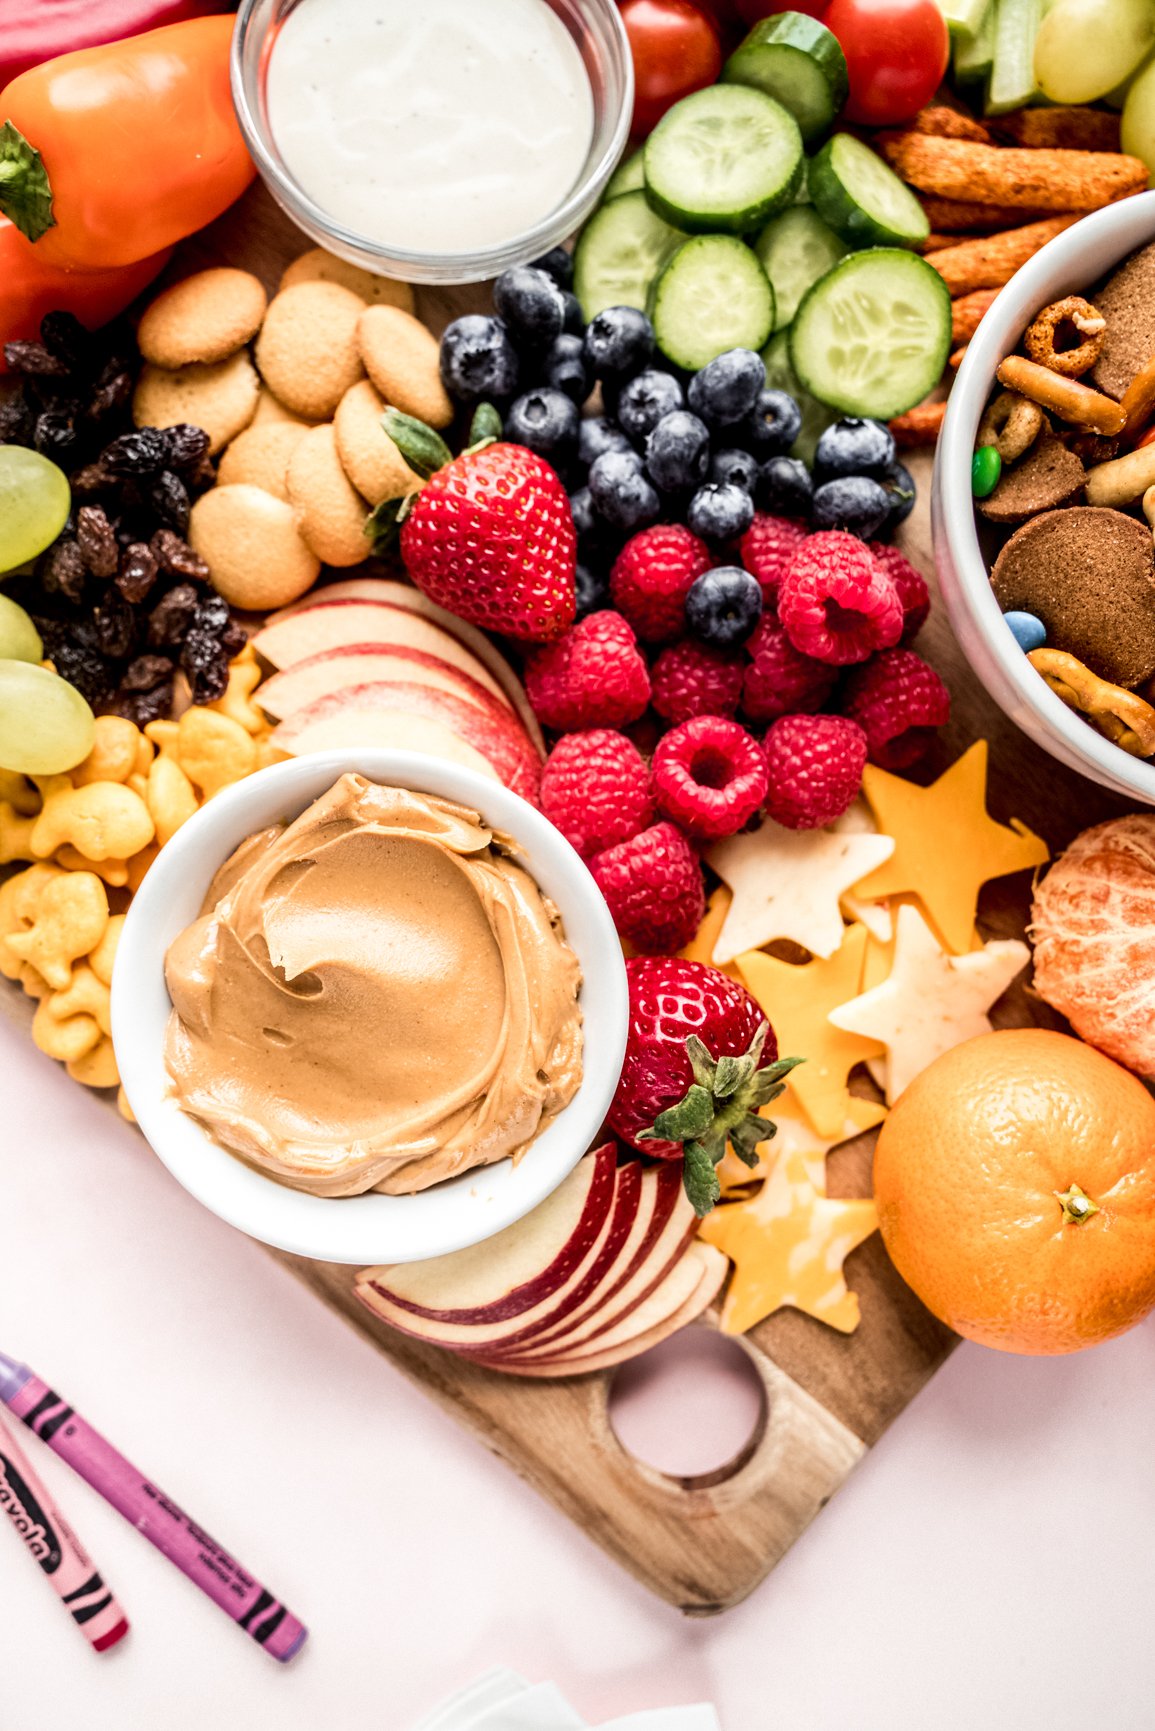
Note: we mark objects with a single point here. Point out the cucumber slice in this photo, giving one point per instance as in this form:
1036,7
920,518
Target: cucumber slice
1013,70
780,376
862,199
795,249
798,62
872,336
713,295
724,158
621,249
628,176
964,17
974,55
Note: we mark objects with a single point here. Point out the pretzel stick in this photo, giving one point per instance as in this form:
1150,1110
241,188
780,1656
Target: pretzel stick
1043,179
1074,403
1138,400
990,261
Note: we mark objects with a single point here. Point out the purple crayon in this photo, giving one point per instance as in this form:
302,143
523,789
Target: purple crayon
143,1504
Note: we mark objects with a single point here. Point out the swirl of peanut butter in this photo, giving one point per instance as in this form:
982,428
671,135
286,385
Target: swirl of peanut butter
376,997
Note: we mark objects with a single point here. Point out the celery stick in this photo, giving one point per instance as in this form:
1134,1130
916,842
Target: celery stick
964,17
973,55
1013,72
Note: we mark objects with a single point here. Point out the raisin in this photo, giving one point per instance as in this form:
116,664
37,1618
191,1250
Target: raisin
115,623
186,445
66,338
210,681
90,482
233,639
15,422
212,615
33,360
54,435
61,570
168,496
176,557
201,477
142,707
137,572
205,662
81,666
142,452
97,540
146,672
172,616
110,398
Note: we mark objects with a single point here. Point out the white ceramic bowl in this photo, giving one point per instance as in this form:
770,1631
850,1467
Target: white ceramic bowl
1071,264
370,1228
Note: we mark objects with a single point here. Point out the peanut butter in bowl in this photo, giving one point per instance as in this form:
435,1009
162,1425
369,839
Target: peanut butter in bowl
377,996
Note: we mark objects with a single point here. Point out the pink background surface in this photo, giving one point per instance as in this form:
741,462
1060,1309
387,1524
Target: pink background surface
991,1564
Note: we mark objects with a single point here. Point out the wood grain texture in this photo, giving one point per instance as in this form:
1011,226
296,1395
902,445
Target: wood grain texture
704,1544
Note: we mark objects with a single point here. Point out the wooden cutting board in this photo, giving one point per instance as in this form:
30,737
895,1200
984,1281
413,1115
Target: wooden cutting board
704,1543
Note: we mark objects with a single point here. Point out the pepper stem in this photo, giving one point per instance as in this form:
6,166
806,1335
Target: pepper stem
25,190
1077,1206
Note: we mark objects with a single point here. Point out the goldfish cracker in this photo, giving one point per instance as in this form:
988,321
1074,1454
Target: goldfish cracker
101,959
33,981
102,821
15,834
18,897
97,1068
162,735
145,752
114,872
138,865
67,1039
69,916
114,752
268,753
85,995
213,750
124,1108
237,702
17,791
170,796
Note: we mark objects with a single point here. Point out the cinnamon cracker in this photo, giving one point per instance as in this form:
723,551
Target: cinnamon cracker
1127,302
1048,476
1041,179
990,261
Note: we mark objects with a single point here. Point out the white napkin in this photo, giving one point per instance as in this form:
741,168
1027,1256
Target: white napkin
503,1701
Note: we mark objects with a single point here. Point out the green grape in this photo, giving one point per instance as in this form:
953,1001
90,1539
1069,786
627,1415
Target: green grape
19,638
1138,135
34,502
45,725
1085,48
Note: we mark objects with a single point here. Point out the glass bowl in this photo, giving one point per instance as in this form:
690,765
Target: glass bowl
596,27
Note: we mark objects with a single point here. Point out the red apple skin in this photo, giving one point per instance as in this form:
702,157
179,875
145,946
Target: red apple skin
362,663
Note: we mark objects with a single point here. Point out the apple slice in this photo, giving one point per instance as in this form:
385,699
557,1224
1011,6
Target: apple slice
390,590
361,663
344,718
587,1276
688,1290
506,1275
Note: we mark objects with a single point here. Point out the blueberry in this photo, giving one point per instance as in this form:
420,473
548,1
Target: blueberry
772,425
852,502
621,492
565,368
723,606
727,387
546,420
854,447
678,452
477,359
531,304
720,511
644,400
735,468
585,518
902,492
575,319
593,591
784,487
557,264
596,436
619,342
1028,632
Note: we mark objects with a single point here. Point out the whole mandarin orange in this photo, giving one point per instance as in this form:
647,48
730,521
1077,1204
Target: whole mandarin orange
1015,1184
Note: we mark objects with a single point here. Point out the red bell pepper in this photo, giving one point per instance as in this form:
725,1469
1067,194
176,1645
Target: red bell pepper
32,31
29,288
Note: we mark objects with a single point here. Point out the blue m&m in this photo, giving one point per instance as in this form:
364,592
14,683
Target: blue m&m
1028,632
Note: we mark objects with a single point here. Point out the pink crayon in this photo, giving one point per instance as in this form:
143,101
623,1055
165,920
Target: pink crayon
53,1544
146,1507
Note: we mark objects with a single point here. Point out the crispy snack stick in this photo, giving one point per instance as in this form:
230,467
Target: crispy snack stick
936,242
956,359
1073,402
989,261
937,120
1039,179
1058,128
919,426
1138,400
966,313
961,217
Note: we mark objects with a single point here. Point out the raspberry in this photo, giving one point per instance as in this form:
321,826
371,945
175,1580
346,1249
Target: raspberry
911,586
767,548
897,699
651,577
653,887
692,679
815,764
594,676
708,776
779,680
836,601
595,788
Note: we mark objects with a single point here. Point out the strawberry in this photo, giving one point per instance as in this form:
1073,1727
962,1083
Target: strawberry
701,1058
490,536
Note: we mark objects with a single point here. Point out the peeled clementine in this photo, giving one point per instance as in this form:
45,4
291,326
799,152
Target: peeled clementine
1015,1183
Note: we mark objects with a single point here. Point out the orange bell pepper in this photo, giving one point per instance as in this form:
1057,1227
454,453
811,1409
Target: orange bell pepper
29,288
110,154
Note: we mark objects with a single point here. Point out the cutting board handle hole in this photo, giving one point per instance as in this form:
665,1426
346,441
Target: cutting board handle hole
695,1407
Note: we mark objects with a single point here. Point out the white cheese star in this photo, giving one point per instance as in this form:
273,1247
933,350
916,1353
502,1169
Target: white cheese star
788,883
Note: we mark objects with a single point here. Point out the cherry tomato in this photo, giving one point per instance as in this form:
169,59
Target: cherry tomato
896,54
676,50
